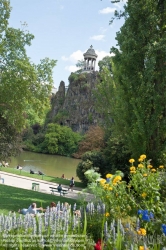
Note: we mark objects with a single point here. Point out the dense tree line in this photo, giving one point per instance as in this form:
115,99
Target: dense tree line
23,85
135,94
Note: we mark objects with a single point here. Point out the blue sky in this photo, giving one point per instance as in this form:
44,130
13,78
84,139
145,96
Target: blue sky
65,29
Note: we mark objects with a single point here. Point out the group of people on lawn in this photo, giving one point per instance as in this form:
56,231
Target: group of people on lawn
34,211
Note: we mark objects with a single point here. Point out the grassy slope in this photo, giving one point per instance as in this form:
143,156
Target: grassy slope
36,176
12,199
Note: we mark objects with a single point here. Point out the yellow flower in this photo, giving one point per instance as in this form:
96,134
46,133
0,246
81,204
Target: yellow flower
117,179
110,188
132,168
149,166
102,181
142,231
153,170
144,195
143,157
140,165
142,248
133,172
106,186
161,166
107,214
109,175
131,160
145,175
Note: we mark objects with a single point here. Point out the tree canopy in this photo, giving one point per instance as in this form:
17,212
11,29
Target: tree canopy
22,83
138,83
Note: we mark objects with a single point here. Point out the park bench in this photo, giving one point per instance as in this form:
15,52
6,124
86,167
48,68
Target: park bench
55,190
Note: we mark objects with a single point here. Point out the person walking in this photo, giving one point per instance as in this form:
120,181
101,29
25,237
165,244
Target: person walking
71,184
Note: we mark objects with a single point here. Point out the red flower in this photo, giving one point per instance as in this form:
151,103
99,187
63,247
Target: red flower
97,246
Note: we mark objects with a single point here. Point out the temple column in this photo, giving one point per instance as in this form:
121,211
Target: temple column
94,64
91,64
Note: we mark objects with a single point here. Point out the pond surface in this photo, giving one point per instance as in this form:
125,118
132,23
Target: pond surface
52,165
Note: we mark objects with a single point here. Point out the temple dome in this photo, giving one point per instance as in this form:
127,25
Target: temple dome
90,53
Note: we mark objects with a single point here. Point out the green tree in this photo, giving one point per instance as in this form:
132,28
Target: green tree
22,84
139,73
105,63
91,160
61,140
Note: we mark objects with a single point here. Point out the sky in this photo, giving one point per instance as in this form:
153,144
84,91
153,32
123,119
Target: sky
65,29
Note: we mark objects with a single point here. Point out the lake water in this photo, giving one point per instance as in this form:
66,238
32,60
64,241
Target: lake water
52,165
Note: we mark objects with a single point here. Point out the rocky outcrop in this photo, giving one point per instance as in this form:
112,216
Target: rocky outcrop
75,107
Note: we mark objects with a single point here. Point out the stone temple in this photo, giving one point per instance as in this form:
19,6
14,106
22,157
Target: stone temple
90,59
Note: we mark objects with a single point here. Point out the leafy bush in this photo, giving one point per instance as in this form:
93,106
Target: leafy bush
61,140
90,160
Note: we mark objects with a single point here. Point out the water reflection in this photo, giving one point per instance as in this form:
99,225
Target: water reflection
52,165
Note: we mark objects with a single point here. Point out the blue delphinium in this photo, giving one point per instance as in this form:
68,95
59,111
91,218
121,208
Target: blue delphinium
164,228
146,216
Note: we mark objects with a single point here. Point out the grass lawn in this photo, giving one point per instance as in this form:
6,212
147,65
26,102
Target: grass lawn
13,198
44,177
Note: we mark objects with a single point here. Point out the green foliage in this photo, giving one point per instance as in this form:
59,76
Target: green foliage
23,86
105,91
116,155
73,77
139,76
62,114
61,140
90,160
105,63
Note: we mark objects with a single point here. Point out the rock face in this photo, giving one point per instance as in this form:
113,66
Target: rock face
74,107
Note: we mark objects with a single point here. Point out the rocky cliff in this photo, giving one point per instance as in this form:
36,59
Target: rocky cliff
75,106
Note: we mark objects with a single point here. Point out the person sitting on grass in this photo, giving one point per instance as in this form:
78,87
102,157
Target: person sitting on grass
40,173
59,188
33,210
51,208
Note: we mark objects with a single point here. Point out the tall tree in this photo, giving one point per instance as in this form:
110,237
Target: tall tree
22,83
140,77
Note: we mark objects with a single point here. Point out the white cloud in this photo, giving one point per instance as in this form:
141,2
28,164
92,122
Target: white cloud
74,57
101,54
97,38
102,30
107,10
71,68
64,58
